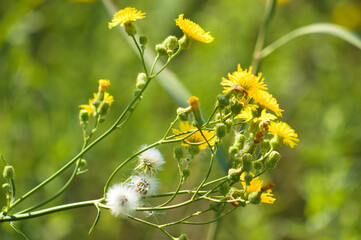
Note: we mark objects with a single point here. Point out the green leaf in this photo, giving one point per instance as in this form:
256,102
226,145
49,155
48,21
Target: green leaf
322,28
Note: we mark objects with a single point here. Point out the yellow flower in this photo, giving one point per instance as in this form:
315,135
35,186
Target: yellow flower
255,186
247,115
103,84
107,97
124,16
194,102
284,132
193,30
195,138
266,100
89,108
245,80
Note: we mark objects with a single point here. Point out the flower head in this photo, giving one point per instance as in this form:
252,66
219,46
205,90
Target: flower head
144,184
126,15
194,102
266,100
89,108
150,161
107,97
245,80
193,30
195,138
103,84
247,115
122,200
256,186
284,132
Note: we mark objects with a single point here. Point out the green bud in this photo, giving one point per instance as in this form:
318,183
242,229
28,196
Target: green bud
273,159
224,188
83,116
235,193
221,130
236,108
8,172
223,100
6,187
82,163
265,146
234,174
239,141
229,124
233,150
178,153
141,80
103,108
183,113
161,49
183,237
193,150
143,40
248,178
130,28
186,173
96,103
255,197
171,42
184,42
215,206
247,161
257,165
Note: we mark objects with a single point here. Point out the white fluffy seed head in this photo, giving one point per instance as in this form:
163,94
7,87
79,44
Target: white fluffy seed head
144,184
122,200
150,160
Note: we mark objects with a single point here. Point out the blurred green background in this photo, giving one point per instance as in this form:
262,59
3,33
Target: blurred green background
53,52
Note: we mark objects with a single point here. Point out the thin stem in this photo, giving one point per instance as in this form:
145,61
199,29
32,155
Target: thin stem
141,55
270,5
151,224
154,63
185,218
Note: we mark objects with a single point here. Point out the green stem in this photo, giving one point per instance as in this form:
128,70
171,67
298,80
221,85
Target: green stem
270,6
141,55
185,218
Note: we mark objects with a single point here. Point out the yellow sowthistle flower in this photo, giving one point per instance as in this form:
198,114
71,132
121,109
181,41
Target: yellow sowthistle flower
88,107
194,102
249,83
103,84
247,115
195,138
283,131
124,16
266,100
255,186
193,30
107,97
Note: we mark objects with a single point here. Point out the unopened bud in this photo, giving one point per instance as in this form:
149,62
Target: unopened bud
257,165
239,141
215,206
8,172
171,43
82,163
141,80
273,159
248,178
234,174
224,188
83,116
184,42
143,40
247,161
183,237
265,145
221,130
275,142
233,150
236,108
186,173
103,108
178,153
255,197
223,100
161,49
193,150
183,113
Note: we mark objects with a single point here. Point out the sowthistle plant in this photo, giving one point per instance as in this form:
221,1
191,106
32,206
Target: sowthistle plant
245,109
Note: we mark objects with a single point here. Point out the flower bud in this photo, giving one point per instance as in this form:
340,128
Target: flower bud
224,188
236,108
275,142
183,237
223,100
221,130
255,197
171,43
247,160
233,150
183,113
265,145
257,165
234,174
130,28
178,153
83,116
96,103
193,150
103,108
141,80
248,178
273,159
82,163
239,141
161,49
186,173
215,206
229,124
143,40
8,172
